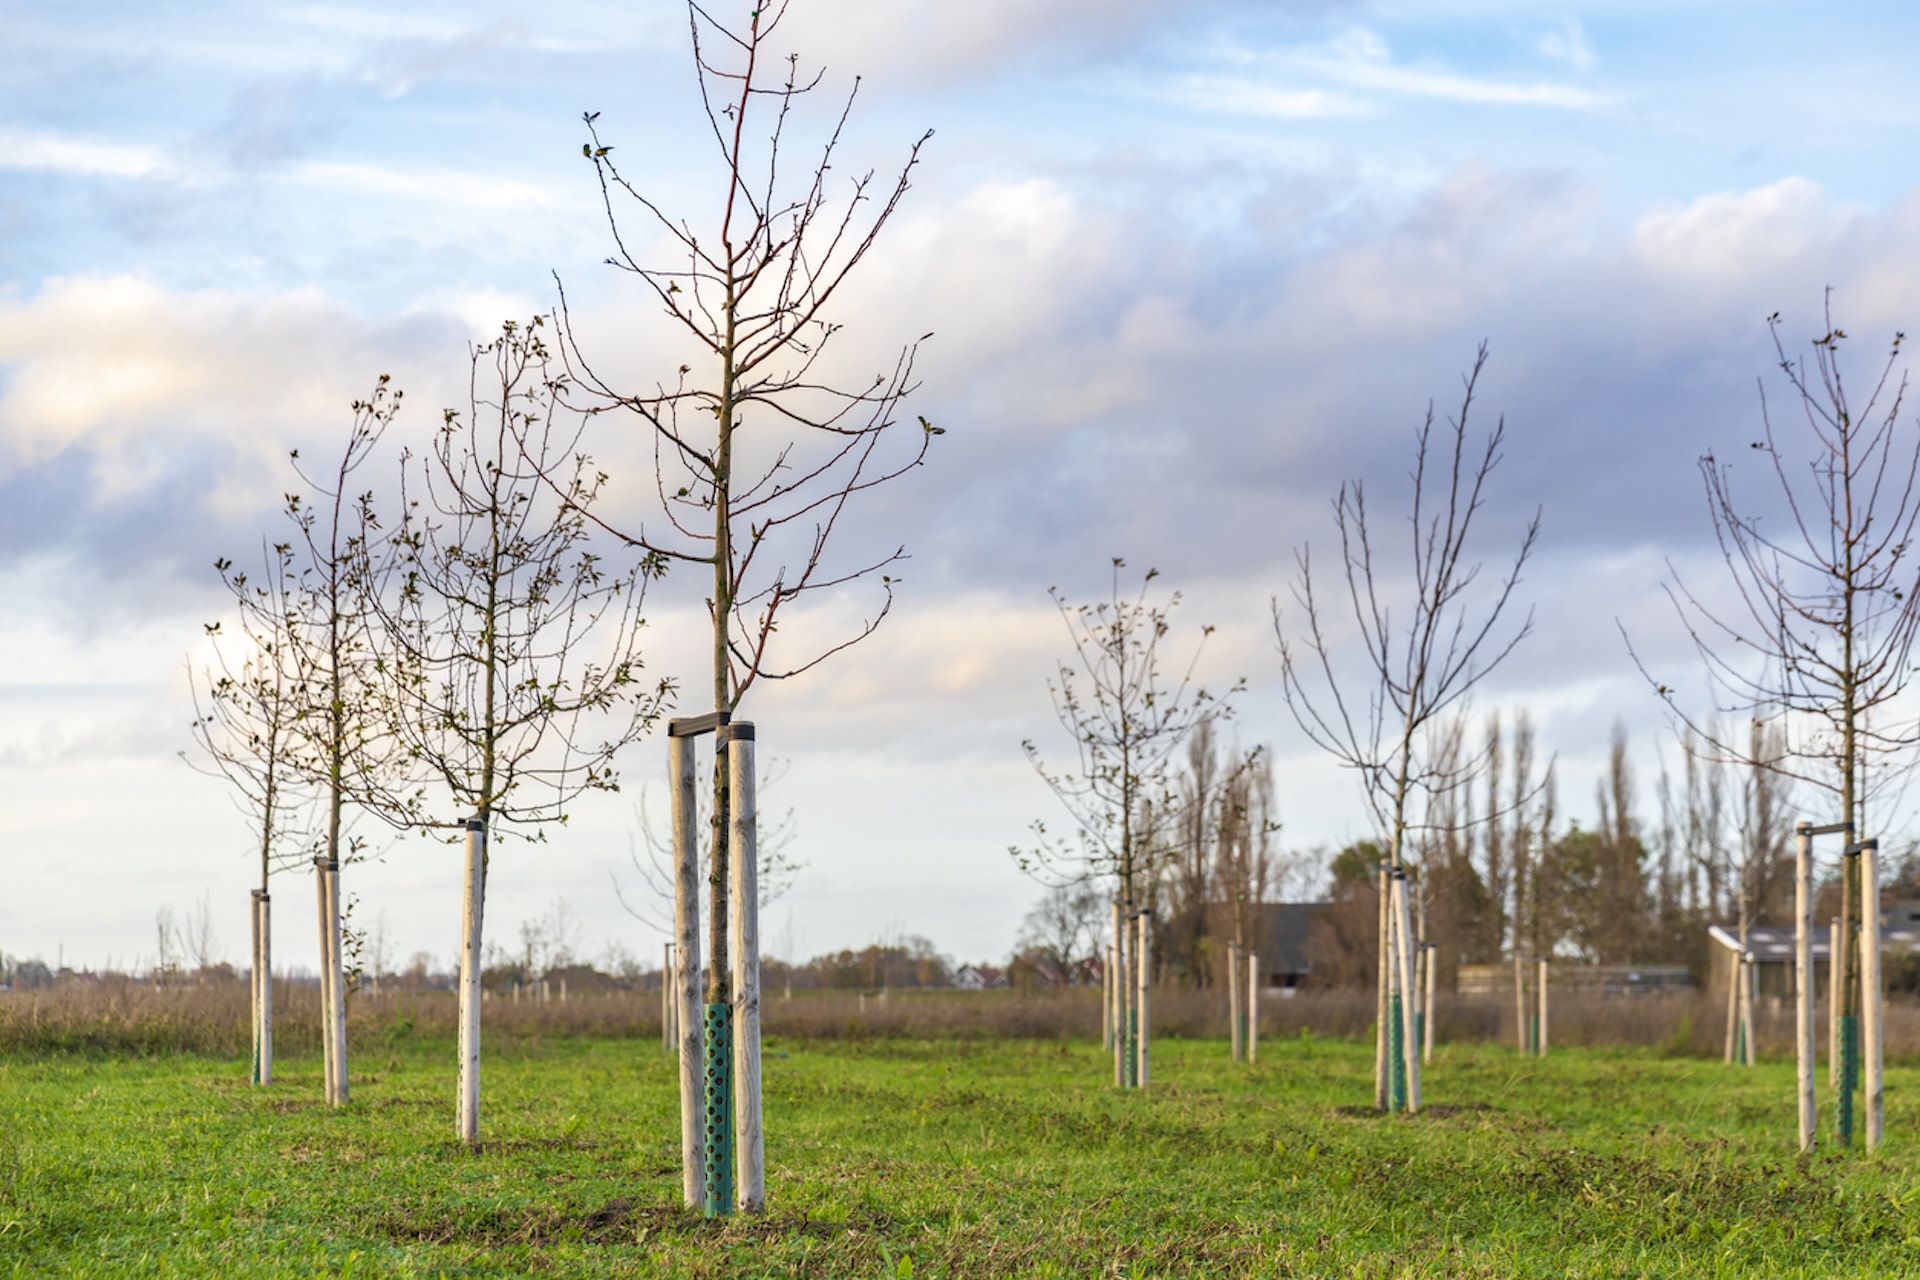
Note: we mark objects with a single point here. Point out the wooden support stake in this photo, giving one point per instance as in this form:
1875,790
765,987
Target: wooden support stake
473,892
1520,1002
1426,1006
326,983
667,1003
266,987
1835,999
1540,1041
1143,960
1749,1053
686,926
1122,998
1803,983
1409,992
1106,998
1234,1035
1253,1006
1383,968
749,1146
1870,993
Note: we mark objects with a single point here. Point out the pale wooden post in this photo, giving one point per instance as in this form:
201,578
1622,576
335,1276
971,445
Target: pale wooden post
1732,1004
1143,960
1541,1045
666,998
473,891
1870,994
1382,1068
1106,998
1749,1053
253,982
1122,1039
1835,998
338,966
1409,993
1803,982
1520,1002
1234,1039
266,988
744,906
1426,1006
326,981
1253,1006
686,924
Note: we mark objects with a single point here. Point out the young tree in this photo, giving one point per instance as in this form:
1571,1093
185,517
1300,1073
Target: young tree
1421,663
1821,631
760,450
243,725
327,680
1126,717
516,646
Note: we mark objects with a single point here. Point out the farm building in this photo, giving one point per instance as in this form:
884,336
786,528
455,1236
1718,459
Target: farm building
1566,975
1772,948
1281,944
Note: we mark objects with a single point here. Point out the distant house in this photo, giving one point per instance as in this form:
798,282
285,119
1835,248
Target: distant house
1280,944
978,977
1772,948
1572,975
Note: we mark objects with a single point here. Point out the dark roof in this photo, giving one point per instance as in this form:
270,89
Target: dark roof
1281,941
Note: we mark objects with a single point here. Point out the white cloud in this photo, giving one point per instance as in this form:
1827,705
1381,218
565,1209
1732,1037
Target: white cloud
428,185
49,152
1731,234
1244,96
1569,44
122,367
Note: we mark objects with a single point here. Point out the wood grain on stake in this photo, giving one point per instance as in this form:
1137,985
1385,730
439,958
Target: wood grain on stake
1253,1006
748,1145
1410,996
1144,962
686,927
1870,1001
266,989
472,898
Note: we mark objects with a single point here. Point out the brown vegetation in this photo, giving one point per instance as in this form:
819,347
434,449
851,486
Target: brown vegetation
120,1016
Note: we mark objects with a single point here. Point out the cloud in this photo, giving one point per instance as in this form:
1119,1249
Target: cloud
1729,234
1569,44
44,151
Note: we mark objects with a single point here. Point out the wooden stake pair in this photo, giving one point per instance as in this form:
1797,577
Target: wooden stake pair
738,1118
1243,1001
1860,874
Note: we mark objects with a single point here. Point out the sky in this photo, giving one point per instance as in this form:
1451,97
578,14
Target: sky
1189,265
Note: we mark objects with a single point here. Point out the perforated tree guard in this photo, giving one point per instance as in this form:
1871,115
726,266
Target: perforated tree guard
1849,1074
719,1111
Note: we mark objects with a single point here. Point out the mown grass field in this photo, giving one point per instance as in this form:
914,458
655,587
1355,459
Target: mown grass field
926,1158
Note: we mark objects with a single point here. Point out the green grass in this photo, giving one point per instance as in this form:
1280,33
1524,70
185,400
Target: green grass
948,1159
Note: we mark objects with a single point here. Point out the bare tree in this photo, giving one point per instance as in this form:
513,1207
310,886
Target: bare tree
1127,717
516,643
315,611
1065,927
759,452
1821,631
244,728
516,646
1421,663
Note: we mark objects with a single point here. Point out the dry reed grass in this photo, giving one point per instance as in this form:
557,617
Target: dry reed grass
119,1016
